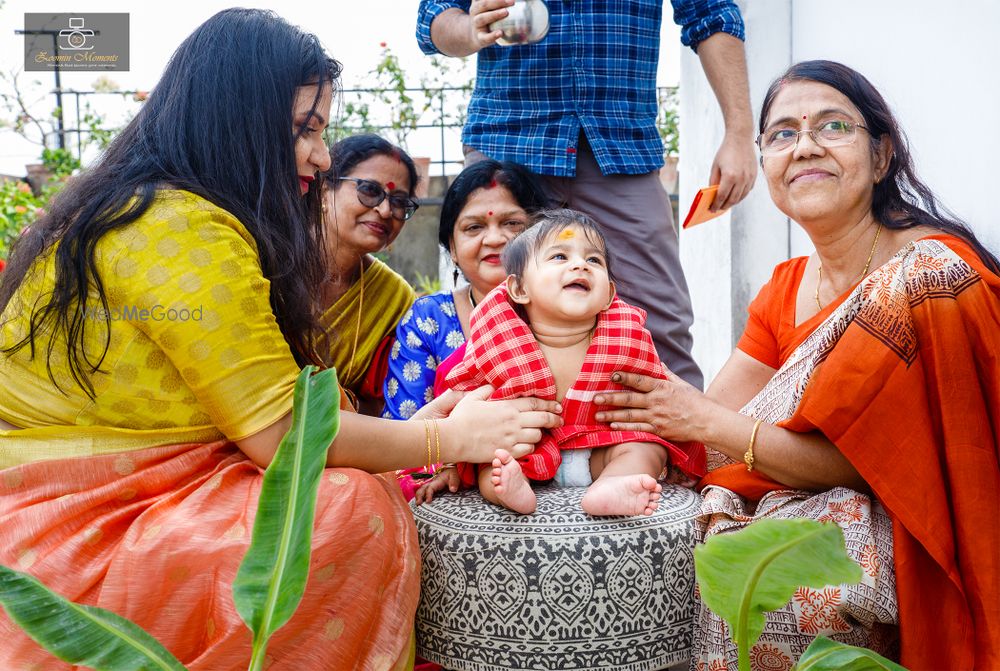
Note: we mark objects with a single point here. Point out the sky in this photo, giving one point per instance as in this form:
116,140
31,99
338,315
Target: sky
352,32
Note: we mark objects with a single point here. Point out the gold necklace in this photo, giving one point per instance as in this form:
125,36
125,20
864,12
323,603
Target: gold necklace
868,263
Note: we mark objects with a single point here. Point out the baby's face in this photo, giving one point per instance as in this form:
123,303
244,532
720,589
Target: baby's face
567,280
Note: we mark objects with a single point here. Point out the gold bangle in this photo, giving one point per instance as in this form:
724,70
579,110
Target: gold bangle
437,441
748,456
427,435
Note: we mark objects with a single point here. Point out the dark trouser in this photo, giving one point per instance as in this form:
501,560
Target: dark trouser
634,213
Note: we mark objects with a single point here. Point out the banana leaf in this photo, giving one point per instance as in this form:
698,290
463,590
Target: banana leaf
826,655
82,635
742,575
272,578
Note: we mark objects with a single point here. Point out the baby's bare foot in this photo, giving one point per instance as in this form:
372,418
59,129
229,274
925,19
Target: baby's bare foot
510,485
637,494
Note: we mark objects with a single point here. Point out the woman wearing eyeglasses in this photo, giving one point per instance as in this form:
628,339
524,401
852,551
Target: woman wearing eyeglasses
865,391
367,198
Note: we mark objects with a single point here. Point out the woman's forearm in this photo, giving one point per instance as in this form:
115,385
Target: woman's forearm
367,443
379,445
800,460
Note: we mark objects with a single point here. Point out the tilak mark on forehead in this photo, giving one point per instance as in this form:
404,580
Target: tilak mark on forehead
566,234
493,183
390,185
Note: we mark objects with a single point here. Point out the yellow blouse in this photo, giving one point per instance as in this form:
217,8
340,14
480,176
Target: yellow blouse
195,352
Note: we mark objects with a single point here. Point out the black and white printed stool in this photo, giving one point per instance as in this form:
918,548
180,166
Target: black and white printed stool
557,589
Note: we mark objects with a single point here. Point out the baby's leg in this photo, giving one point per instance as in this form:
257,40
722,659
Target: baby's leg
505,484
625,479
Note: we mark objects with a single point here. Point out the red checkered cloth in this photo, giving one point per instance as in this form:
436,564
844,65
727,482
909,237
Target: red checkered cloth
502,351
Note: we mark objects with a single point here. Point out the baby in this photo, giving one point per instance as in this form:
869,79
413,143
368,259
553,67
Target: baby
555,329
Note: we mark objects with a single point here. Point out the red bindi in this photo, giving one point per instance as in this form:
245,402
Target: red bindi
390,185
803,117
490,213
493,183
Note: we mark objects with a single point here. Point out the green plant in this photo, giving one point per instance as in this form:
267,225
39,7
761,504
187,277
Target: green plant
270,581
667,120
59,162
427,285
742,575
393,101
19,208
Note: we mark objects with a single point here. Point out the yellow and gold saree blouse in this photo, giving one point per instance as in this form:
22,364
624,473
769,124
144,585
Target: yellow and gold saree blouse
195,353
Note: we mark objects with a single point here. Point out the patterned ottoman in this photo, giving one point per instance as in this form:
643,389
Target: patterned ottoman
556,589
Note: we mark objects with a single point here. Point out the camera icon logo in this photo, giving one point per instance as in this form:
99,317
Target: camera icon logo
75,37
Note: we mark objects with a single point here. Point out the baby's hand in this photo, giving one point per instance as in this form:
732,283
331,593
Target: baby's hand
446,477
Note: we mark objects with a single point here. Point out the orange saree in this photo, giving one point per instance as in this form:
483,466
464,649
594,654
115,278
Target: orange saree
157,536
904,378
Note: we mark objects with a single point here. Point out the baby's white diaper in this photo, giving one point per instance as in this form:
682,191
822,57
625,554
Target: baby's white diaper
574,471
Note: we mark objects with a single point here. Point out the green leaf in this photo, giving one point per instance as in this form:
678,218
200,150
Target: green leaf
742,575
826,655
77,634
272,577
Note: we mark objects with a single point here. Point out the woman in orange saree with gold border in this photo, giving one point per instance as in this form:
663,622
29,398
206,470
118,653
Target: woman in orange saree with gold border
869,401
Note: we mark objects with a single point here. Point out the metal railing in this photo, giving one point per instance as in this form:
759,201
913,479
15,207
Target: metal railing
438,111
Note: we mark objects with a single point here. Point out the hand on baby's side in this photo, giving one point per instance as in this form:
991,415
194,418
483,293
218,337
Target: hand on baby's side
669,408
479,427
447,477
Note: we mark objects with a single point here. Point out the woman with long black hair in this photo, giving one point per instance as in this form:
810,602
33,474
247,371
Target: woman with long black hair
153,327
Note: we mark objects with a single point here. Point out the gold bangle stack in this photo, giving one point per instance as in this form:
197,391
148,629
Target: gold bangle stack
437,441
748,456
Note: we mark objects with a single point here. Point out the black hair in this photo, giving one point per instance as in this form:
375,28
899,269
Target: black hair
218,124
521,182
350,151
519,251
900,200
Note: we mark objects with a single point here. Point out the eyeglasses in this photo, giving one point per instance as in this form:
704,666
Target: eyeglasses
833,133
371,194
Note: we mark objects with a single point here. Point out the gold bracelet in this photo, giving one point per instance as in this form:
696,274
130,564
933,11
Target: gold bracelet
748,457
437,441
427,435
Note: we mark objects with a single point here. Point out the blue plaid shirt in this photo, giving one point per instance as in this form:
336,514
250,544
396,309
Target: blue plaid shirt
595,71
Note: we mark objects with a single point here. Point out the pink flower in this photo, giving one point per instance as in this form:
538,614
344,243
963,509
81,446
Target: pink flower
20,209
39,212
382,44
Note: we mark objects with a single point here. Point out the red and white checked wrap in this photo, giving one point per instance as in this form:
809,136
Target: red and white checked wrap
502,351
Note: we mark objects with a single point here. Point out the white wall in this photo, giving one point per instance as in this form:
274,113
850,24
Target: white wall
938,66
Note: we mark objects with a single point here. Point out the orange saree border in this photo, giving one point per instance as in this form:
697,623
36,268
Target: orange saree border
157,535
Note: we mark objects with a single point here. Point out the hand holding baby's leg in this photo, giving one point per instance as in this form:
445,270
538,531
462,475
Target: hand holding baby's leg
625,480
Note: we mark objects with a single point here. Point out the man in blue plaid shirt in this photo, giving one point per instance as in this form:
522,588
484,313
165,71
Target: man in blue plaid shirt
579,108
